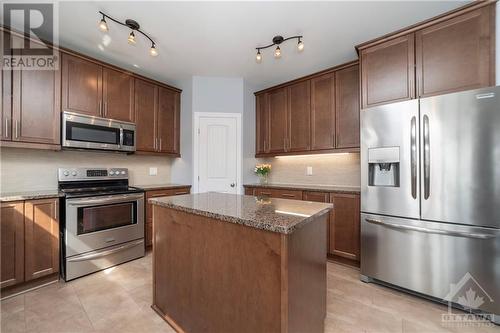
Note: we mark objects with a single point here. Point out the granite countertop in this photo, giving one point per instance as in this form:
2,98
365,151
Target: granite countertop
276,215
30,195
166,186
306,187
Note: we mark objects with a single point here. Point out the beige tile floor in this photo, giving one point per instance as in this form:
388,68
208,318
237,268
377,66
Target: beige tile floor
119,299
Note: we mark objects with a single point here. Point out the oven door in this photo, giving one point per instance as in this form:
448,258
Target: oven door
80,131
94,223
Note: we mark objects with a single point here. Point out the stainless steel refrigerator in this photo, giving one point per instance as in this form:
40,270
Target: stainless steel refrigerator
430,196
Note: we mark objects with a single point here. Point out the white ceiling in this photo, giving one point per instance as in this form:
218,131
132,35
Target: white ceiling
219,38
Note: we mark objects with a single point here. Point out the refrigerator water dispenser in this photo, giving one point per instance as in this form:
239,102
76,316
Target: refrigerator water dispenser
383,166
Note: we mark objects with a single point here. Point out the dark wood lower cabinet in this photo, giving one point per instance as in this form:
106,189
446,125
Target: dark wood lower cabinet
30,241
343,230
41,241
148,225
345,226
12,246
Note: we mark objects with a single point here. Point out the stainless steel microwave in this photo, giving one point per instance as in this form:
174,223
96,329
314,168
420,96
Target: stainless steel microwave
88,132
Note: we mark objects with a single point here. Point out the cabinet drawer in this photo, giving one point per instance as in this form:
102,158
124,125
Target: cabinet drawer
275,193
316,196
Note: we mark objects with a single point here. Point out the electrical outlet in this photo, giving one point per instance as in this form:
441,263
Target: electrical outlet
153,171
309,171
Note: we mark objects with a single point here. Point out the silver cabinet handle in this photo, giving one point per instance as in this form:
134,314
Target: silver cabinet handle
107,252
427,156
16,129
99,106
6,133
413,154
431,231
155,144
160,145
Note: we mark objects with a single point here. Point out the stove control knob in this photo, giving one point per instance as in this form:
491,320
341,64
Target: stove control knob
73,173
66,173
123,172
111,173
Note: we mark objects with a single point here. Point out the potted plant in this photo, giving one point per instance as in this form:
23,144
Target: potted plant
262,170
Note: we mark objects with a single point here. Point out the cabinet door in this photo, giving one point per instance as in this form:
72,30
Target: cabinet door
146,96
5,93
347,107
387,72
299,117
277,106
118,95
81,86
248,190
12,246
457,54
41,238
262,124
323,112
345,226
36,114
316,196
168,120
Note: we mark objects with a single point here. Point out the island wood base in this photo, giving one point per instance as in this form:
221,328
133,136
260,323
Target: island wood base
215,276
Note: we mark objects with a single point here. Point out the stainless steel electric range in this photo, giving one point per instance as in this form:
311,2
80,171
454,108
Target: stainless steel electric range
104,220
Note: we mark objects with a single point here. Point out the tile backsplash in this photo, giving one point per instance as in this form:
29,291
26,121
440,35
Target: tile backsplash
29,169
334,169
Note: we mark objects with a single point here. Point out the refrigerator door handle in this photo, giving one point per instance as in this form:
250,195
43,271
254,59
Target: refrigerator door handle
413,154
431,231
427,155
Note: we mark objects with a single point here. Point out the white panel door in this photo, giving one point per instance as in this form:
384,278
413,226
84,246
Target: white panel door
217,151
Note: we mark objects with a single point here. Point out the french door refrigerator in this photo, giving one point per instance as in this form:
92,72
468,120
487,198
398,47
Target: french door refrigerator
430,197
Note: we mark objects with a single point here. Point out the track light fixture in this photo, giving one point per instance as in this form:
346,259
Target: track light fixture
277,40
134,25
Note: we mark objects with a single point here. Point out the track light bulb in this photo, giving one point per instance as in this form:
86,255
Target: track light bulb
258,58
277,52
153,51
300,45
131,38
103,26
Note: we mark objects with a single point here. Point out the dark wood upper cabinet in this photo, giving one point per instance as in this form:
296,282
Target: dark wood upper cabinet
299,117
347,107
41,238
118,95
457,54
81,86
36,106
345,226
262,124
146,96
168,120
323,112
278,109
12,243
387,72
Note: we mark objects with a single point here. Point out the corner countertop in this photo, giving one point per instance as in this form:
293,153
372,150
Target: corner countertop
166,186
271,214
30,195
307,187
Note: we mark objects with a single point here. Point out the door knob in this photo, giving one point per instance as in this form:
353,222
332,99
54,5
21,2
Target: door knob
233,185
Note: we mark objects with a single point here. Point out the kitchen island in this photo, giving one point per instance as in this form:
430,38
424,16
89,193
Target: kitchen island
238,263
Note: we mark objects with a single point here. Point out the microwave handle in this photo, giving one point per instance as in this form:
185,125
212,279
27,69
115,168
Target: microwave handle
121,137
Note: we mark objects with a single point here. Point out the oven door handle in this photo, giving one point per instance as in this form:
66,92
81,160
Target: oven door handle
92,256
104,200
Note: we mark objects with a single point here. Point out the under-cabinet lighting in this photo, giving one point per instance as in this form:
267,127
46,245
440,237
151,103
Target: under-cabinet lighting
311,155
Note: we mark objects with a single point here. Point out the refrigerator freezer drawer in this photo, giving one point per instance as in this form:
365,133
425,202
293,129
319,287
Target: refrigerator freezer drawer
428,257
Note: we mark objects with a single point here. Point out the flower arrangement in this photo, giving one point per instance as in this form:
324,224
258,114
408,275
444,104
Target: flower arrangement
262,170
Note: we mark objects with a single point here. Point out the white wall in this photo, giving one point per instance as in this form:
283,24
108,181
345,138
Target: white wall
248,126
30,169
217,94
